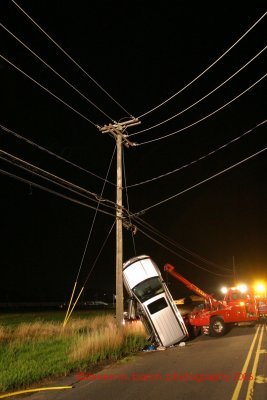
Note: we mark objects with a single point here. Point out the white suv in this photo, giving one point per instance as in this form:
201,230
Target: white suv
156,307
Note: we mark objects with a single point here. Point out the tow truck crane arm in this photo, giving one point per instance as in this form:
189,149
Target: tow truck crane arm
214,304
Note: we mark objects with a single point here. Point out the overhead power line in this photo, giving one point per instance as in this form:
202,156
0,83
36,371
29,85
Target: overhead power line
150,228
27,181
54,179
127,200
47,90
69,312
179,255
41,187
94,218
200,183
6,130
99,253
69,57
204,97
206,116
11,159
198,159
203,72
55,72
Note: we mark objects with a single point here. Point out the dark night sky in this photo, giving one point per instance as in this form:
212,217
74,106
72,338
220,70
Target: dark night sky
141,55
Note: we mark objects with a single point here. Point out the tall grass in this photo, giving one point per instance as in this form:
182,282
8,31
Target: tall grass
109,342
42,329
30,352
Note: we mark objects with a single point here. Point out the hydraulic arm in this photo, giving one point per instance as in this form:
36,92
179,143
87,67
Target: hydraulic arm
213,303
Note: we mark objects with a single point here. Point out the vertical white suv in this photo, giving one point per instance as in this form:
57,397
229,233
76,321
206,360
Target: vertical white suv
156,307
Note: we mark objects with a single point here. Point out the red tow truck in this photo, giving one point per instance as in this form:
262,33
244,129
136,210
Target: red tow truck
215,317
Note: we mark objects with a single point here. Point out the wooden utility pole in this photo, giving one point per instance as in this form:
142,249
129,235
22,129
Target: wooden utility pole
117,130
119,238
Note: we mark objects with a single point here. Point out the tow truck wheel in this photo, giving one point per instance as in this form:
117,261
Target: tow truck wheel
217,327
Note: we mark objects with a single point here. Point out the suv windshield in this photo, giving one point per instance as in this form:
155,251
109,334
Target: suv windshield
149,288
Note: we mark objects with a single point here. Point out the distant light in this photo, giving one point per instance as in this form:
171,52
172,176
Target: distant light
224,290
260,288
242,303
242,288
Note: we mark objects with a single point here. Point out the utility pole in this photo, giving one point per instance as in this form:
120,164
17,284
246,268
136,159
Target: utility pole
117,130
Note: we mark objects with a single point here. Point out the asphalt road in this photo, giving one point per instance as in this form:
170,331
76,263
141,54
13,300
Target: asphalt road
232,367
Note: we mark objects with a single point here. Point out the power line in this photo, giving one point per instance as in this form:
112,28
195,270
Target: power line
206,116
175,244
200,183
14,176
179,255
69,312
198,159
54,179
94,218
204,97
99,253
6,130
70,309
94,208
55,72
47,90
203,72
33,169
127,200
85,250
69,57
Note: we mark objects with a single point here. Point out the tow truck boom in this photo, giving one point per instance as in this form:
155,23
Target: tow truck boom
214,304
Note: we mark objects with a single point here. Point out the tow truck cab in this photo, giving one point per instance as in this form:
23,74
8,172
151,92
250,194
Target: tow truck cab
244,299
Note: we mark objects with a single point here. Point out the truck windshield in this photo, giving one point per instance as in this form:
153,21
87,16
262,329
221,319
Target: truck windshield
238,296
148,289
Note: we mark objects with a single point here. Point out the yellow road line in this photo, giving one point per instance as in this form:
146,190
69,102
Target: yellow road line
245,366
35,390
254,369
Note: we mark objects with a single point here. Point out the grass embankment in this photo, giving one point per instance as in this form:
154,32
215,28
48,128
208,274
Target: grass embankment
30,352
